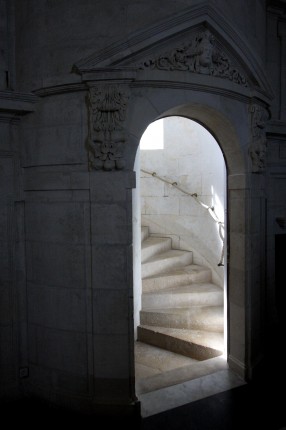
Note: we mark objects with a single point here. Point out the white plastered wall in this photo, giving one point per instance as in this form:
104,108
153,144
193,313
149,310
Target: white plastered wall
188,155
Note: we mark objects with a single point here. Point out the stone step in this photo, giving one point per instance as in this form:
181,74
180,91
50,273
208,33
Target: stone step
188,295
182,310
178,377
144,232
196,344
154,245
165,261
150,360
176,277
209,318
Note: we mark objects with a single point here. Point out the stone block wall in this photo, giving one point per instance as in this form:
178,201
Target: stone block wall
66,326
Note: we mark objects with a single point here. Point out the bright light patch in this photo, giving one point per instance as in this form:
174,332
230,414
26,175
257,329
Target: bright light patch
217,204
153,138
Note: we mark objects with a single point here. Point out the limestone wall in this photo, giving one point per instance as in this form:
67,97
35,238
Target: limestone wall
66,231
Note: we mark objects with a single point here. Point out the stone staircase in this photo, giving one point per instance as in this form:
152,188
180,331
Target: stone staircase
182,310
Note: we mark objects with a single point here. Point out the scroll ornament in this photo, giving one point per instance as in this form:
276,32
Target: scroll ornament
201,55
257,149
107,138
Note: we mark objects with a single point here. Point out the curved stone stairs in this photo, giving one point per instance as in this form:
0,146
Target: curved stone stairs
182,310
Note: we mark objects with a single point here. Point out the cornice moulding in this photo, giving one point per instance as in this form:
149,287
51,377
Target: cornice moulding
17,103
59,89
208,84
120,74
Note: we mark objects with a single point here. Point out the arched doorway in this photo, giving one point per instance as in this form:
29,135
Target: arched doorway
210,200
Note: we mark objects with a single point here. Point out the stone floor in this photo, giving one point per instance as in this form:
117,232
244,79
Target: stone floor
251,406
165,380
259,404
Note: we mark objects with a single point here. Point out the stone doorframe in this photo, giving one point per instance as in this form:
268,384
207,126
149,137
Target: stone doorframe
193,65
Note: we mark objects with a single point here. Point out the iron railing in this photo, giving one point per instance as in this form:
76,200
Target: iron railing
210,209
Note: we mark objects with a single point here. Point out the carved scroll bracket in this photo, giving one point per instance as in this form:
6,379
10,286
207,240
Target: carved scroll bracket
257,149
107,137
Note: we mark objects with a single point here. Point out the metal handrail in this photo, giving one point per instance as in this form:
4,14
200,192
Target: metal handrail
210,209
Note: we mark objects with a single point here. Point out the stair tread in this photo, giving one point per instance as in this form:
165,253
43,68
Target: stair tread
197,370
166,255
154,246
154,240
185,289
187,310
209,318
195,317
158,358
208,339
190,268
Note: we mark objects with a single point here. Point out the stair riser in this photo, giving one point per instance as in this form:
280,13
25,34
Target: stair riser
176,345
155,301
165,282
157,267
152,250
195,321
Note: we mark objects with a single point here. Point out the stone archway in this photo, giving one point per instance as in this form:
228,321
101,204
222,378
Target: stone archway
226,135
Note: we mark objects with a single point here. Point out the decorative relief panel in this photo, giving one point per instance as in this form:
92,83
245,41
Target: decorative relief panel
107,134
257,149
202,55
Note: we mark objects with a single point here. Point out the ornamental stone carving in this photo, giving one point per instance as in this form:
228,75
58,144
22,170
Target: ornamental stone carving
107,105
202,55
257,149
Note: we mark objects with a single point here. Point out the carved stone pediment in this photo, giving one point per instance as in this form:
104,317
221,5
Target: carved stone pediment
202,54
199,41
